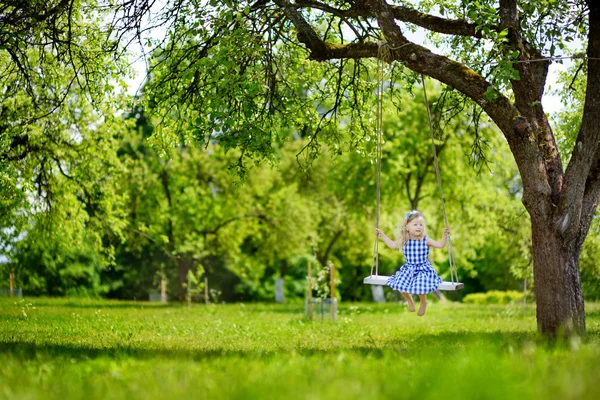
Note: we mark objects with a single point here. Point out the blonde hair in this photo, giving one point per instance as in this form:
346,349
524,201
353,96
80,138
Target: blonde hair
402,232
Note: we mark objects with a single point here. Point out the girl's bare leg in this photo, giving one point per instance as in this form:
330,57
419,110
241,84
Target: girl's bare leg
408,297
422,305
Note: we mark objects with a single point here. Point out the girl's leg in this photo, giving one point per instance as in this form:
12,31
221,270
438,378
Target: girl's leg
408,297
422,305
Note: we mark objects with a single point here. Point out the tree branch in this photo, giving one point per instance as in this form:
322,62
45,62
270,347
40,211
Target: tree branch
591,196
405,14
583,172
306,34
18,141
519,131
531,74
436,24
231,220
528,90
324,257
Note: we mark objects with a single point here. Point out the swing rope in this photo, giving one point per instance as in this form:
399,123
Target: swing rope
378,147
383,54
453,272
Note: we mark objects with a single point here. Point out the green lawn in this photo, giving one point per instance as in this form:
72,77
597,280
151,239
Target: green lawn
72,348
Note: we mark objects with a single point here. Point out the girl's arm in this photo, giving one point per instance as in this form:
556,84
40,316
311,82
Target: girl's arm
390,243
442,243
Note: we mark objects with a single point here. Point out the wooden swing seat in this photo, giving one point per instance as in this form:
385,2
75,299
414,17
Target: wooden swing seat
382,279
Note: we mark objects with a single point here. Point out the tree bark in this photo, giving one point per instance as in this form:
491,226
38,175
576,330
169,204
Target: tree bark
558,293
182,268
324,257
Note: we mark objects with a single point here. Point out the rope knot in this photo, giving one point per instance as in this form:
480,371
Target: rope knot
384,52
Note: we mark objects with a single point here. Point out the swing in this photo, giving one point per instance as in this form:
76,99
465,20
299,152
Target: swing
376,279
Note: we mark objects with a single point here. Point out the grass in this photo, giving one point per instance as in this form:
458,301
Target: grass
72,349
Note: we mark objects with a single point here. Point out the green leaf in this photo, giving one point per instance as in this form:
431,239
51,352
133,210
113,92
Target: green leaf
491,93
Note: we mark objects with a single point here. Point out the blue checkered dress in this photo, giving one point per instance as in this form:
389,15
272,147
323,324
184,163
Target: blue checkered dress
417,276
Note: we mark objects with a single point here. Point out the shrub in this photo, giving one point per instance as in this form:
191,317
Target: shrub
494,297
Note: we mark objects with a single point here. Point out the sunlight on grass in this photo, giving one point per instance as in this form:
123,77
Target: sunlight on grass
71,348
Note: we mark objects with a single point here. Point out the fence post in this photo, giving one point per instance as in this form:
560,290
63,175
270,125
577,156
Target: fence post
11,282
524,296
163,290
205,290
310,304
332,292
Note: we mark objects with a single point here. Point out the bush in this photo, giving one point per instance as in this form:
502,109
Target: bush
494,297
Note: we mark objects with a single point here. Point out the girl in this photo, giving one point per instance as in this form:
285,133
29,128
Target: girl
417,275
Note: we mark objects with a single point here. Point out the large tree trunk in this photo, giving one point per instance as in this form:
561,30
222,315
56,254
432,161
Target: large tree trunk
559,223
558,293
562,216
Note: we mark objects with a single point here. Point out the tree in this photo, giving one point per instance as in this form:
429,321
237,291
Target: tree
60,236
497,56
56,137
184,209
52,54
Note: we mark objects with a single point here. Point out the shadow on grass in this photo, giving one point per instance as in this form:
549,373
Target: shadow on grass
296,307
98,304
346,308
410,346
455,340
592,315
288,308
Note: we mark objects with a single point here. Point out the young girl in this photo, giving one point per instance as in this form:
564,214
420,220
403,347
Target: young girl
417,275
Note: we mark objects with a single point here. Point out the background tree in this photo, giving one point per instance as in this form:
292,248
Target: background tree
60,237
56,131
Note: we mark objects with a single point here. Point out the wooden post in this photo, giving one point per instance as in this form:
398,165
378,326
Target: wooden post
524,295
332,291
205,290
163,290
309,294
11,282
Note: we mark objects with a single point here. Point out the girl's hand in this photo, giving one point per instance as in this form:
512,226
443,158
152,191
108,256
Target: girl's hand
446,231
378,232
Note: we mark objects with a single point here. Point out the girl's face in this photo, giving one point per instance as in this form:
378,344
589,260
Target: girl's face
416,227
